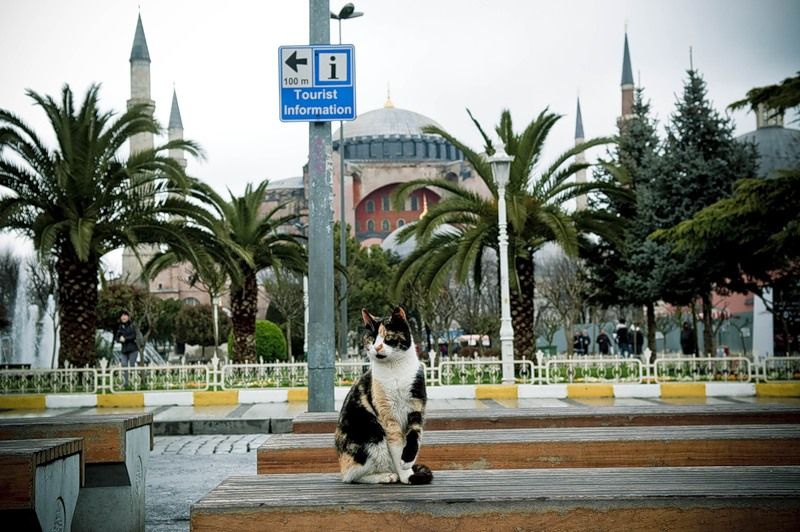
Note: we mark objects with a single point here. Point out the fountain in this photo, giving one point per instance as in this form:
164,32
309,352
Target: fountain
32,331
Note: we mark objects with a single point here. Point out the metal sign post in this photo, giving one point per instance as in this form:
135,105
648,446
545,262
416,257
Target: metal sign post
321,337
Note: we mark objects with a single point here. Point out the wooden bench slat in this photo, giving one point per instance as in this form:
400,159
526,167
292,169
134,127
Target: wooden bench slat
19,460
551,448
104,435
712,498
551,484
578,416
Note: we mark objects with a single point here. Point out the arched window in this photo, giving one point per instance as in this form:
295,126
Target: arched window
370,206
401,222
386,206
191,302
370,226
414,203
385,225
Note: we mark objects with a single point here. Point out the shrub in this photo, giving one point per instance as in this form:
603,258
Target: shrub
194,324
270,343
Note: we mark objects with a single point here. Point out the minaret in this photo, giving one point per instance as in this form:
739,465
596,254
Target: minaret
175,130
140,84
627,84
140,94
580,158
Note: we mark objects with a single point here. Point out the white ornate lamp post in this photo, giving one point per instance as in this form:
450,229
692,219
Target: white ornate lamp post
347,12
501,168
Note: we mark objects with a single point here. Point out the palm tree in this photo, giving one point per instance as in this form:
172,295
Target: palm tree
455,233
253,239
80,199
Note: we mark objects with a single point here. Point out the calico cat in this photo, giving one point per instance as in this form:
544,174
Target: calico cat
380,426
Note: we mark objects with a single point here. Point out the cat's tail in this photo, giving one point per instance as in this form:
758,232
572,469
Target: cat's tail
421,474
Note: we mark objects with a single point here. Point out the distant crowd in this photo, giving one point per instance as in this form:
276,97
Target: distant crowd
627,341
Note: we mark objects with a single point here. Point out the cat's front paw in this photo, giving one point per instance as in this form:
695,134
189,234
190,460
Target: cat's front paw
406,465
404,476
390,478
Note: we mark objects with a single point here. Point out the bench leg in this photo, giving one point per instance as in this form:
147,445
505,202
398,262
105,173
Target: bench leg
120,506
57,485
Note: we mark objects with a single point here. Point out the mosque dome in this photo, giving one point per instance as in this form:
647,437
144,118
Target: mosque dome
387,122
390,133
778,148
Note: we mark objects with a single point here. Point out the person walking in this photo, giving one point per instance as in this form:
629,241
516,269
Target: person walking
603,342
585,342
126,336
623,339
638,339
688,339
576,343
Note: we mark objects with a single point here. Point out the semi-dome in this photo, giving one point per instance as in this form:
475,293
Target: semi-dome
404,249
778,148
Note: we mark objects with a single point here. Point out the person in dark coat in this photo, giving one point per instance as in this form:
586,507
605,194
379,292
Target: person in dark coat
638,339
576,343
126,336
585,342
623,339
688,339
603,342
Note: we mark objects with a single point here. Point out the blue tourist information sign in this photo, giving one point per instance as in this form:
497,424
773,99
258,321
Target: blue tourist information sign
317,83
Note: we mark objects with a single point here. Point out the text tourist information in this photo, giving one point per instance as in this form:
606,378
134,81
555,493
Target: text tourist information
317,83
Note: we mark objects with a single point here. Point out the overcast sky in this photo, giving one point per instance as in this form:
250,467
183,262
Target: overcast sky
438,56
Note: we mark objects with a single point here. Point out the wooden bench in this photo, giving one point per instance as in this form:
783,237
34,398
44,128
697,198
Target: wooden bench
686,499
557,448
577,416
117,452
39,483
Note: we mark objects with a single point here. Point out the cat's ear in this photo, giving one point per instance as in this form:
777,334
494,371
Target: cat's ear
399,314
369,320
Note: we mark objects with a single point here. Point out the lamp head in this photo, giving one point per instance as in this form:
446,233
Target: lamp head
501,166
347,11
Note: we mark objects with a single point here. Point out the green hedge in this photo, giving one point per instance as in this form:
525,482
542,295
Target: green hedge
270,343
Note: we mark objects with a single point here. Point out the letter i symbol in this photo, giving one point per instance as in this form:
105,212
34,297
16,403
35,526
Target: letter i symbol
333,67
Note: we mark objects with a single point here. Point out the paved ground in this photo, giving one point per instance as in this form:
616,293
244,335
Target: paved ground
176,480
207,445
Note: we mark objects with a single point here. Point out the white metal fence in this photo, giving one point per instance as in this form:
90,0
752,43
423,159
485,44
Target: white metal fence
217,375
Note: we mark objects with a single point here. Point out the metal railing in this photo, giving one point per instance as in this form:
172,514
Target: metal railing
64,380
780,369
593,370
218,375
703,369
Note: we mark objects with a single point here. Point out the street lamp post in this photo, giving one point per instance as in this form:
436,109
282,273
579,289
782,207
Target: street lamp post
501,168
347,12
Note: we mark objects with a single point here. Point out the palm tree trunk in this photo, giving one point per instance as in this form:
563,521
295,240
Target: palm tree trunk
244,301
77,293
522,309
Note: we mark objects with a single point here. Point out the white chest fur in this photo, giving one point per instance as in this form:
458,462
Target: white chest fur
396,377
